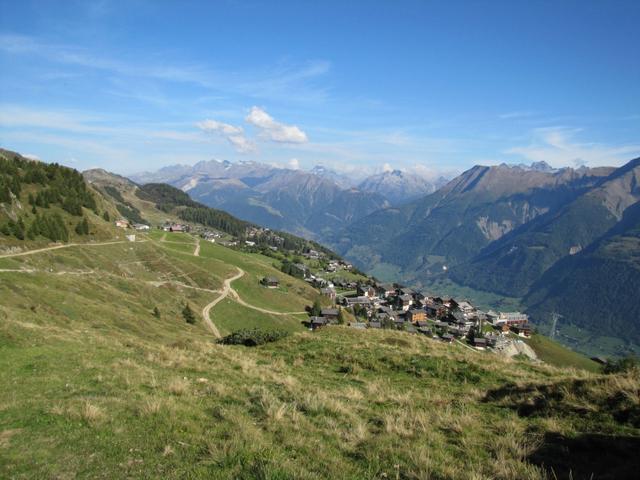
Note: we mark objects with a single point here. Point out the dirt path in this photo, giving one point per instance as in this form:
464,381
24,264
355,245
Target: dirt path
196,252
66,245
225,292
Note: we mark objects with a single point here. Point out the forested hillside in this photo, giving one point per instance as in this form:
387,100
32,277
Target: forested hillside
41,201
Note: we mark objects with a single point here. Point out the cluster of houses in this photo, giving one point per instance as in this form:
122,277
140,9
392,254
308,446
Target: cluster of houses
397,307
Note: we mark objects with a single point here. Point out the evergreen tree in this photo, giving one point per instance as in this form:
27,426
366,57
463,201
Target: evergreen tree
340,316
106,216
83,227
188,315
316,310
156,312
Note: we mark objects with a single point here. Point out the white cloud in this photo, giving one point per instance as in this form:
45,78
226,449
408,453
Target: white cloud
234,135
387,167
557,147
31,156
294,164
275,131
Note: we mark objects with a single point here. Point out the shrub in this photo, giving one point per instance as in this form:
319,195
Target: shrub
622,365
188,315
253,337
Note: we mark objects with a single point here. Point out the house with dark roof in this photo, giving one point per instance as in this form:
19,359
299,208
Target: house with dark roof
270,282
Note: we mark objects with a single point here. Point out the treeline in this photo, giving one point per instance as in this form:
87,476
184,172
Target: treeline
166,197
215,219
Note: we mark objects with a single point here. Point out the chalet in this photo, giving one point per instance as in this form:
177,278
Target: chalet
451,304
405,301
122,223
466,307
329,292
330,314
422,324
270,282
365,291
177,227
512,318
416,315
480,342
386,290
523,330
431,310
141,226
351,301
375,324
317,322
447,337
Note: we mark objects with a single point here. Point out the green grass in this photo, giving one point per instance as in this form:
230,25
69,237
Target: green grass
229,316
556,354
97,387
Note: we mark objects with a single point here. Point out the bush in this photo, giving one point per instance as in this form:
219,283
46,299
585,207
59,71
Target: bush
188,315
253,337
622,365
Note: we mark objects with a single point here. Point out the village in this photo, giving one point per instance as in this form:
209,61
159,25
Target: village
373,304
392,306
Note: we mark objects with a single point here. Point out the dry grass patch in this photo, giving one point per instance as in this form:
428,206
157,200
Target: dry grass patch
179,386
91,413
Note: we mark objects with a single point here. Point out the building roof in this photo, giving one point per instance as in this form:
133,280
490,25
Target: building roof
329,312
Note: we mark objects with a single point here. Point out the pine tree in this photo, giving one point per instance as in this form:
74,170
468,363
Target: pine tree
106,216
316,310
83,227
188,315
156,312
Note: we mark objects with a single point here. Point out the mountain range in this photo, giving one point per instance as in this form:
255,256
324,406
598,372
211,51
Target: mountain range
314,204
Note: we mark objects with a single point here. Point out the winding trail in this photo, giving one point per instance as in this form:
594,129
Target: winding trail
196,252
225,292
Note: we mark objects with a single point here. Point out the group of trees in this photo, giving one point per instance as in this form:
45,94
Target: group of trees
291,268
50,226
54,185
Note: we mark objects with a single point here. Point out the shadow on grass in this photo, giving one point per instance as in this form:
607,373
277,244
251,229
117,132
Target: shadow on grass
589,457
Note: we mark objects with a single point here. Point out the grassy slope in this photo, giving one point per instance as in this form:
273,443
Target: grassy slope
101,388
555,354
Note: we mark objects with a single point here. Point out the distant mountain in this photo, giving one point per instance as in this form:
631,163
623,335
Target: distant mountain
562,240
596,288
397,186
311,204
453,224
339,179
514,262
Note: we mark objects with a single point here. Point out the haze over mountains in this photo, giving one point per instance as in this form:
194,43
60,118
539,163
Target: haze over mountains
313,204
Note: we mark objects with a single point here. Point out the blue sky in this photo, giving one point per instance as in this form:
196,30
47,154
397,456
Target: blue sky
358,86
